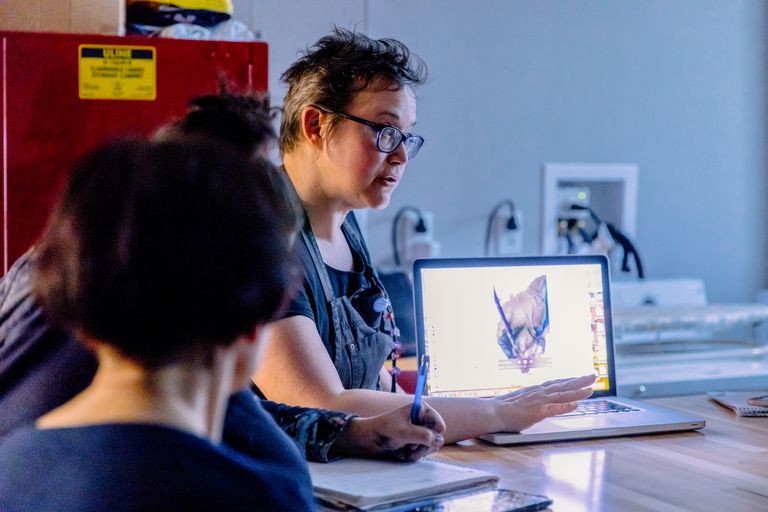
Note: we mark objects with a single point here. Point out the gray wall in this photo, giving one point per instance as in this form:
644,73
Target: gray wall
677,87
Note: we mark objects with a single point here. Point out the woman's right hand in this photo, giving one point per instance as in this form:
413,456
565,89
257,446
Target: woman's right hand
392,435
525,407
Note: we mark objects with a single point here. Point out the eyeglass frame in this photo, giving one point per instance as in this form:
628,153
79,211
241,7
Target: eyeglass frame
379,127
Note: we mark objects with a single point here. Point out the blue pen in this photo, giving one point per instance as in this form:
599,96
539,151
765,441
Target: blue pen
420,382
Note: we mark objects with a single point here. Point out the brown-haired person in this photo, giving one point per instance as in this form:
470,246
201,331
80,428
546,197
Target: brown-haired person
346,140
164,257
43,366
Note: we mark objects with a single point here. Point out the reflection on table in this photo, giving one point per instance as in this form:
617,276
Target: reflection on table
722,467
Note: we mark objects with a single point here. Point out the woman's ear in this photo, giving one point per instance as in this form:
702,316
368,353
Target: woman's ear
311,125
248,348
87,340
255,334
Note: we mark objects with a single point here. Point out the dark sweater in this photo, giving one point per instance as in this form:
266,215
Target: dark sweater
138,467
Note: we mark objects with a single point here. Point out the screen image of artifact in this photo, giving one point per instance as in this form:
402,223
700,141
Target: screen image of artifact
524,323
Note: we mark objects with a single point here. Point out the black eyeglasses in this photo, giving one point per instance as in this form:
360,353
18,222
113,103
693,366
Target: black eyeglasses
388,138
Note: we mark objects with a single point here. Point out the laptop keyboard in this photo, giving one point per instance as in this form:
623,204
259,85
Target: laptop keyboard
590,407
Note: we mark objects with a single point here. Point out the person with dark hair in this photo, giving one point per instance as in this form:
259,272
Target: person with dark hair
243,120
346,140
42,366
164,258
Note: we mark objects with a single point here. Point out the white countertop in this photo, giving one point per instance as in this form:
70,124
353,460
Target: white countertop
712,317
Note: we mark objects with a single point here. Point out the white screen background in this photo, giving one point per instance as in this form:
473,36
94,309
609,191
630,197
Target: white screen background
461,319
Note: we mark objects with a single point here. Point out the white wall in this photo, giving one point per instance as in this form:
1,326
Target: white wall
291,26
676,87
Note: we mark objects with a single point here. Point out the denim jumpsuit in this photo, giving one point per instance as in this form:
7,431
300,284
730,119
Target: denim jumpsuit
360,349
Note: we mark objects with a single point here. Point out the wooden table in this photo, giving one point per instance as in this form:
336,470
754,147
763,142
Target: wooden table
723,467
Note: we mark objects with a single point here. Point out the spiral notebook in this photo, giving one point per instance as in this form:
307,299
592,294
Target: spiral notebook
737,402
364,484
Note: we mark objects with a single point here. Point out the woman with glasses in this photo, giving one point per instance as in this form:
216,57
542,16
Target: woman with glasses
346,138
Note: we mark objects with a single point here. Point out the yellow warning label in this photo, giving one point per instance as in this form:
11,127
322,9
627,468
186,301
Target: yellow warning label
117,72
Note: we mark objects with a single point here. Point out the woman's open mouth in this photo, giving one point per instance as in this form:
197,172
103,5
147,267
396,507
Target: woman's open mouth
389,180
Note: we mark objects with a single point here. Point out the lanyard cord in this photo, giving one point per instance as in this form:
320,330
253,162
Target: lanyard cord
395,354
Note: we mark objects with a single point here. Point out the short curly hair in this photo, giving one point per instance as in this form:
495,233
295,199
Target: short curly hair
163,248
338,66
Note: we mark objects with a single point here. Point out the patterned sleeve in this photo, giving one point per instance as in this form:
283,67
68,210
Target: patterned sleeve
312,430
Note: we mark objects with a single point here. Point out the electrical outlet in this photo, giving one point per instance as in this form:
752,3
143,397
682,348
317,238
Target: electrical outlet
423,249
422,245
407,227
410,243
429,223
510,241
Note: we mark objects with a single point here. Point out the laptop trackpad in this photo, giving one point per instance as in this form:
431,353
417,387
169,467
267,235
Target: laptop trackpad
555,424
573,422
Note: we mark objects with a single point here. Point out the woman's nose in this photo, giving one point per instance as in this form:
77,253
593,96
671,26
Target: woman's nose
399,156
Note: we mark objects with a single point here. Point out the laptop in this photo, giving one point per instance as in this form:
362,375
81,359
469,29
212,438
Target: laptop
494,325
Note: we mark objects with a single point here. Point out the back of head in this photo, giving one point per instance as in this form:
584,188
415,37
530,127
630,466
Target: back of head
242,121
160,246
338,66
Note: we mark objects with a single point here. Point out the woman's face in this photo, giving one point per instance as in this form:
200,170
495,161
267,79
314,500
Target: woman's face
354,173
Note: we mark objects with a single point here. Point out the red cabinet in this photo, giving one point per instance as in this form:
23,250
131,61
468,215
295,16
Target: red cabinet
48,120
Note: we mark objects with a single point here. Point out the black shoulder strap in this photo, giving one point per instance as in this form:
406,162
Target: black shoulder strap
355,236
310,243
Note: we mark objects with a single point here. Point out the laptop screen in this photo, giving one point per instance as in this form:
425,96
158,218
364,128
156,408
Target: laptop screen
494,325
